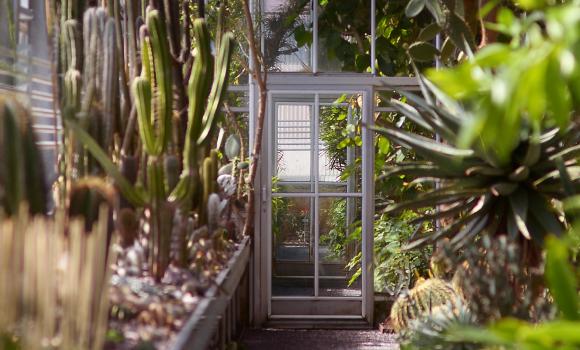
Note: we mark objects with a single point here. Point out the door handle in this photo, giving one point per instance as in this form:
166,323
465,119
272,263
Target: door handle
264,194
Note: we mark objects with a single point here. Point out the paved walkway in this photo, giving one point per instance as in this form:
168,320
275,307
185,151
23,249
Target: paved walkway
319,339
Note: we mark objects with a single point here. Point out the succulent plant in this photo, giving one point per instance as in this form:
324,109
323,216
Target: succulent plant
421,301
168,182
158,171
21,170
45,301
495,284
431,331
484,194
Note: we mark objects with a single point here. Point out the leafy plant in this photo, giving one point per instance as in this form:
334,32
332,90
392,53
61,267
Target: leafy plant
528,84
483,193
395,268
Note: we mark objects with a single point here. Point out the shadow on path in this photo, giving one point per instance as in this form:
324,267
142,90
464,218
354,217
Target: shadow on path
319,339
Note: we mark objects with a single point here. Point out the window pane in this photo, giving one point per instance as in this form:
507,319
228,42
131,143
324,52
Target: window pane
288,35
344,31
293,135
292,247
340,143
339,245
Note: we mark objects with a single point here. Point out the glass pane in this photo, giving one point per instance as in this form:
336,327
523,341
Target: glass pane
339,246
344,32
340,142
288,35
292,247
293,134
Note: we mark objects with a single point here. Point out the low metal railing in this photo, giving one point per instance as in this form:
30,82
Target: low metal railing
224,312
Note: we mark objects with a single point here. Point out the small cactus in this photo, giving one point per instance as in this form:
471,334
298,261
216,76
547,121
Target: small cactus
421,301
86,198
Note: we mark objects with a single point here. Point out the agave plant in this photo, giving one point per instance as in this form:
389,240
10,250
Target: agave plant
432,331
477,191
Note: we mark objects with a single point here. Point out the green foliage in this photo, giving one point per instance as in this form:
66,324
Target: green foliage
344,35
561,279
529,83
396,268
486,194
451,19
340,128
352,49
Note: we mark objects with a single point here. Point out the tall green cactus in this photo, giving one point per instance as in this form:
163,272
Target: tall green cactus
154,45
168,182
21,171
203,93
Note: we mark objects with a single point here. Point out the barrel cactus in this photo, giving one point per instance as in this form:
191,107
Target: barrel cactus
426,297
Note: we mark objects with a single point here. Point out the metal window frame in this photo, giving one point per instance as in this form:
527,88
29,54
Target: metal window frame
315,37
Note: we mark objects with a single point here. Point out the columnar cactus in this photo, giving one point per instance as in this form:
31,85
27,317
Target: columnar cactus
169,178
21,171
155,76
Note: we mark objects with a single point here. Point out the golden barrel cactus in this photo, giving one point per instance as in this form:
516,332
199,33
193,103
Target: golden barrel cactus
422,300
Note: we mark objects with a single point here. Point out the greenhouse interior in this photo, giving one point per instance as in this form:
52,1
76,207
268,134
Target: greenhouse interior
289,174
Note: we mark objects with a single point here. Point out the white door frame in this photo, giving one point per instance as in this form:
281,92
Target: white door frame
366,195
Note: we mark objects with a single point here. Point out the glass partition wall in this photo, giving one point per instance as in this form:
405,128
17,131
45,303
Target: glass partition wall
318,36
315,204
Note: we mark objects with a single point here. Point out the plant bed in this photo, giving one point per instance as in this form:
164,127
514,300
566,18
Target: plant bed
203,323
181,312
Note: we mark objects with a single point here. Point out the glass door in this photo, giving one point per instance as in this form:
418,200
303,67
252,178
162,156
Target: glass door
315,205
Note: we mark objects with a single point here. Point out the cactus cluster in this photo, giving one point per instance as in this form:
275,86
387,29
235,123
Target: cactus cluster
427,296
166,176
490,276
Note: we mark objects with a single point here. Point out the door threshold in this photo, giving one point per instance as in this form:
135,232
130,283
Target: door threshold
317,323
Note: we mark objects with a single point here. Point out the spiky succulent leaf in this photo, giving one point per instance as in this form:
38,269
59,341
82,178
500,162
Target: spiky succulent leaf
514,196
132,194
